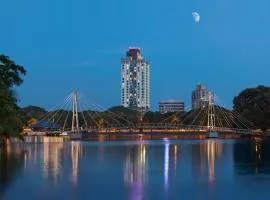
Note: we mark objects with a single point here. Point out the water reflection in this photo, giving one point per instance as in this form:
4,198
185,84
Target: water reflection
175,153
214,149
204,159
166,163
149,170
52,158
11,166
75,155
135,170
258,151
252,158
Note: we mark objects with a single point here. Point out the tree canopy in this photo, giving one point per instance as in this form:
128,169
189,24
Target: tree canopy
254,105
10,75
10,72
32,112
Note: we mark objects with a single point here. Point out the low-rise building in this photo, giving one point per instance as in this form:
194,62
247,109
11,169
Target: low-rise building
171,106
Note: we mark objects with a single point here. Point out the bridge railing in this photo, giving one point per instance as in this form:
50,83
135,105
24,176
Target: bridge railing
168,126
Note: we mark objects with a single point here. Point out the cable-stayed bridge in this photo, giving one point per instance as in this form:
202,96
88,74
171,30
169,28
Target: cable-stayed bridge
77,114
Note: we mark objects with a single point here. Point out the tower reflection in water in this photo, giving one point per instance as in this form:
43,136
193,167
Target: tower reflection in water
75,154
204,158
135,170
214,149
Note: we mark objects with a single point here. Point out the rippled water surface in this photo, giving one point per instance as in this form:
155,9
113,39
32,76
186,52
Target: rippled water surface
163,169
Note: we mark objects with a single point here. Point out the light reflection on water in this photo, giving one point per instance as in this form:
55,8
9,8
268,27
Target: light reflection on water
166,164
135,170
214,149
75,154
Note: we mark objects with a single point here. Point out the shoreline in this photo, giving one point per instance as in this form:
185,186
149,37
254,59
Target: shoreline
133,137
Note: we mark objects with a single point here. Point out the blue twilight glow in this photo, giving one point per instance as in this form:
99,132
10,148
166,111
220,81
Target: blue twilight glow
68,44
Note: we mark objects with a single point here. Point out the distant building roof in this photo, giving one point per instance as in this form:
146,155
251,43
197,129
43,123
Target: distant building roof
200,87
171,101
134,52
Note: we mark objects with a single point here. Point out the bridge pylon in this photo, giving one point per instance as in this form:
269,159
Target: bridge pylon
75,116
211,113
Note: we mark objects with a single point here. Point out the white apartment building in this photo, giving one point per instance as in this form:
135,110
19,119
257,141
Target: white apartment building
135,81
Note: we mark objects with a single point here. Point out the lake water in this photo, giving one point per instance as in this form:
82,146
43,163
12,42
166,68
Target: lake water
136,170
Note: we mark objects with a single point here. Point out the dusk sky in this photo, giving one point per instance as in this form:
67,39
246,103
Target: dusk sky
68,44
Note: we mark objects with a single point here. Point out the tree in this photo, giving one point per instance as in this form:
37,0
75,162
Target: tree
254,105
152,117
32,122
120,114
30,112
10,75
10,122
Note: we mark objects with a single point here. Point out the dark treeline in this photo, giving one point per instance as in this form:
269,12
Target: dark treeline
254,105
251,109
10,76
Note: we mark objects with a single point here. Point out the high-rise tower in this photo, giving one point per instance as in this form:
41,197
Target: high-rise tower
135,81
200,97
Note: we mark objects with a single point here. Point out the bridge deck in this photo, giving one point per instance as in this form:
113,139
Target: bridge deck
175,128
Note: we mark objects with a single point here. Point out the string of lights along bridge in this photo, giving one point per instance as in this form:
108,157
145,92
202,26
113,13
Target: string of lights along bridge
77,115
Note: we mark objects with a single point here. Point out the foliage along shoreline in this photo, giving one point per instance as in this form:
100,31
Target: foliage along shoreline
10,77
